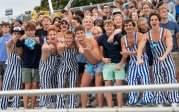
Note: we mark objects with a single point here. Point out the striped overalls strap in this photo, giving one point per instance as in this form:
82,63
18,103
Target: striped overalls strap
161,34
135,38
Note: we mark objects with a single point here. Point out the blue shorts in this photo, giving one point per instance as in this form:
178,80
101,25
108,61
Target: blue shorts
93,69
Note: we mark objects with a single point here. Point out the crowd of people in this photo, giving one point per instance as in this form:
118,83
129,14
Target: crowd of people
134,41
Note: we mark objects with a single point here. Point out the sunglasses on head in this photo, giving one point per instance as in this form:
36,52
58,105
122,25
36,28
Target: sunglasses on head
64,23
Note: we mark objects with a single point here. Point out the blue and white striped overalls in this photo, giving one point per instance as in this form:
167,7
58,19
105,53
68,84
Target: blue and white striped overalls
68,70
163,71
13,72
138,71
46,72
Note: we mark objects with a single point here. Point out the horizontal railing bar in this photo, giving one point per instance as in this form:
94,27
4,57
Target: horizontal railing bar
104,89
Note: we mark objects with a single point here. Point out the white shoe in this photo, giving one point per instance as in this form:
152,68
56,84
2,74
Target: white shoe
47,106
160,105
174,104
53,104
14,108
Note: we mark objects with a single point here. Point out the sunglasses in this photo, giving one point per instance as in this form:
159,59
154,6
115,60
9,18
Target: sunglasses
62,23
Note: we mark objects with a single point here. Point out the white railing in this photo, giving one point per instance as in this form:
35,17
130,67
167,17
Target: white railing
114,89
104,89
125,109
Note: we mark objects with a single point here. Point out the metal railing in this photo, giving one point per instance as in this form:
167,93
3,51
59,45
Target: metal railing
113,89
104,89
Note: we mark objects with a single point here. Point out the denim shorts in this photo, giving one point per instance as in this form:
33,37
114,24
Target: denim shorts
93,69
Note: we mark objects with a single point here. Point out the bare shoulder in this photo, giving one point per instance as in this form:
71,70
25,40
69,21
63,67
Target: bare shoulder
92,41
139,34
122,38
146,35
167,32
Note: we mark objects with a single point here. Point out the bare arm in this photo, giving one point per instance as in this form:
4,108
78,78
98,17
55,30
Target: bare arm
61,48
9,46
79,46
46,52
92,52
141,46
111,38
169,43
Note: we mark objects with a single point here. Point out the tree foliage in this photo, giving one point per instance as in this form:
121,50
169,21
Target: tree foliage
59,4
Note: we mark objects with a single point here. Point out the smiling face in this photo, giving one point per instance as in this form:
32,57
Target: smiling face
64,25
69,39
134,16
146,9
80,35
143,25
88,23
129,27
109,28
118,20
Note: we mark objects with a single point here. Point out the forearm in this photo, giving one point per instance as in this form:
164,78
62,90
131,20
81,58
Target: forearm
45,55
133,53
116,32
92,57
139,53
123,60
168,51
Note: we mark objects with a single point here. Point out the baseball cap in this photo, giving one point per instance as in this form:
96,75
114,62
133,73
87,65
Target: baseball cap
126,5
18,29
116,11
19,20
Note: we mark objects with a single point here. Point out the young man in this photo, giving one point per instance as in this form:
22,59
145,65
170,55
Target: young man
174,28
163,64
114,62
3,53
31,57
13,71
47,66
68,68
130,43
42,33
90,51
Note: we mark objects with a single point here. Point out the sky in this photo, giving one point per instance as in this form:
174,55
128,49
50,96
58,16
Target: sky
18,6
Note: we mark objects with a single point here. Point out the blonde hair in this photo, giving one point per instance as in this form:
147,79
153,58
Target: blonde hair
117,15
163,7
140,20
88,17
108,21
46,17
97,28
